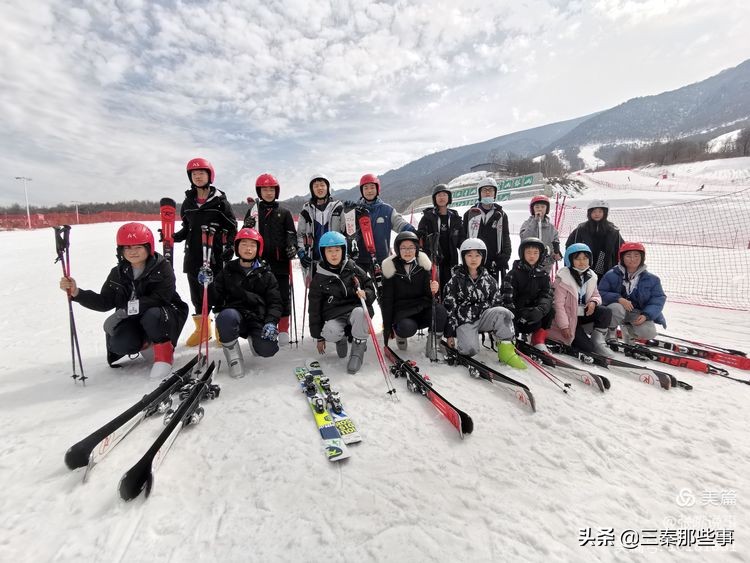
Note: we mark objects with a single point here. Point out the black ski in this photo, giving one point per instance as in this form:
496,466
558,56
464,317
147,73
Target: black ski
100,442
140,477
168,211
477,369
417,383
593,380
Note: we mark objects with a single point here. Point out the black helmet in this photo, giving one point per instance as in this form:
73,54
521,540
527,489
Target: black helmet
532,241
441,188
401,237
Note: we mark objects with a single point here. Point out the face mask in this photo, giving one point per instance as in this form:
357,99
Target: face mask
579,270
488,200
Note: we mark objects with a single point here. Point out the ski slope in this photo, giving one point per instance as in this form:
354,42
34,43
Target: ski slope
250,482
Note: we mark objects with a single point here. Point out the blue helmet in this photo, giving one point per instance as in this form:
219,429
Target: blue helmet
575,249
333,238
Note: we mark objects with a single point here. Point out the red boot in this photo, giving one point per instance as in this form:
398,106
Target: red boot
537,339
163,359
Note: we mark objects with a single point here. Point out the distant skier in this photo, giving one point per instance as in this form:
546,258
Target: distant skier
276,225
488,222
527,292
204,205
600,235
441,232
474,304
540,227
407,294
634,295
247,302
141,288
335,309
577,303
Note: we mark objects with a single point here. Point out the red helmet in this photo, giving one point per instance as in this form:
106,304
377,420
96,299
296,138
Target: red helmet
539,199
266,181
247,233
131,234
200,164
627,246
369,179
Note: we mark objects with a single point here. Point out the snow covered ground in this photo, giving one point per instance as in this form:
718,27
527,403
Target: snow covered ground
250,482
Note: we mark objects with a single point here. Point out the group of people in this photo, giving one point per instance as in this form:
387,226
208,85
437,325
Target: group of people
450,275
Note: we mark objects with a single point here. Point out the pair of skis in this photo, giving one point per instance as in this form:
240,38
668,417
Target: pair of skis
726,356
337,429
92,449
362,223
567,369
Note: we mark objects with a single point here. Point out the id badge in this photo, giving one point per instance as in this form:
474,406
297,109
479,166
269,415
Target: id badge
581,310
133,307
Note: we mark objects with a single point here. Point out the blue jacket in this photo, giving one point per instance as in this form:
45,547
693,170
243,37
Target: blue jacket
648,296
383,219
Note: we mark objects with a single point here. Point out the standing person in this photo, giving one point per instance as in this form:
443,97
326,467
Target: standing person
527,292
443,226
383,219
634,295
204,205
577,303
540,227
335,308
488,222
320,215
276,226
601,236
474,305
247,302
142,290
408,292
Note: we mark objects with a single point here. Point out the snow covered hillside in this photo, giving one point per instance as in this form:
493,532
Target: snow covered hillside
250,482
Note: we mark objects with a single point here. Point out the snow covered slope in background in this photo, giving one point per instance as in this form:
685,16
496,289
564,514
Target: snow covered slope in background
250,483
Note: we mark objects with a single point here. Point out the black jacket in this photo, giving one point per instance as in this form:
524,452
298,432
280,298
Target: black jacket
217,213
494,233
466,299
604,240
525,288
332,296
404,295
254,293
429,225
155,287
276,225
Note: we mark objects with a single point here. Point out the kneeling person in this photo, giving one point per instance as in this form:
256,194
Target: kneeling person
142,290
473,302
248,303
335,305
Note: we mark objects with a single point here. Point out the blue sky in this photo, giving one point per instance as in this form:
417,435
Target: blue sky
107,100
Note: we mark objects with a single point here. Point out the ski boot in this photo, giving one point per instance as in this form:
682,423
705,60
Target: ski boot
235,361
342,347
163,359
599,343
402,343
357,355
506,353
537,340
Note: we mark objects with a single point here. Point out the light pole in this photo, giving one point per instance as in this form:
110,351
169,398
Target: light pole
78,222
26,193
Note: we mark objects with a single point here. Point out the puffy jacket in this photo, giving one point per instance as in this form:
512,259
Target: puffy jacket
332,294
404,295
155,287
527,287
648,295
566,303
429,225
383,219
316,220
492,227
466,299
216,212
254,293
604,240
276,225
545,231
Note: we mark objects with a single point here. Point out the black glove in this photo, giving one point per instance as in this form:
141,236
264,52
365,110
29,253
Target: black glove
180,235
291,252
249,222
530,315
502,263
228,253
304,259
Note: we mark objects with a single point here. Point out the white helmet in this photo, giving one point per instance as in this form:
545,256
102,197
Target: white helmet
320,177
486,182
598,204
473,244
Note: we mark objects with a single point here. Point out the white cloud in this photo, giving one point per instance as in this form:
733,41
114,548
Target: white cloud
107,99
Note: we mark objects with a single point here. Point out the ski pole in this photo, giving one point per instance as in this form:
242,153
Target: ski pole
293,303
307,276
562,385
62,244
378,352
205,276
